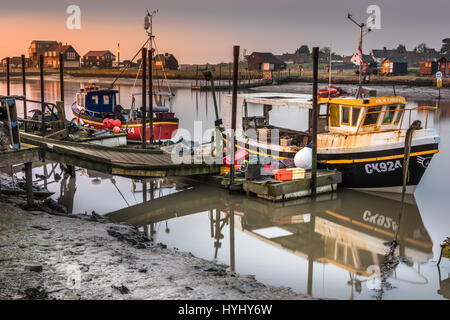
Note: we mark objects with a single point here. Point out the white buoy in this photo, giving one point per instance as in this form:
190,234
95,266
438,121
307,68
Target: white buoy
303,158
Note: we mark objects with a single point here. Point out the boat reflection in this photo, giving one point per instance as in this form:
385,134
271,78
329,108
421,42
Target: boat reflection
348,229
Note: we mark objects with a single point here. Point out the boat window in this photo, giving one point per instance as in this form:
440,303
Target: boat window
389,114
399,114
372,115
94,99
105,99
334,115
345,115
355,115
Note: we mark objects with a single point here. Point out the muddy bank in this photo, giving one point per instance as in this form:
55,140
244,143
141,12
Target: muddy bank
418,93
57,256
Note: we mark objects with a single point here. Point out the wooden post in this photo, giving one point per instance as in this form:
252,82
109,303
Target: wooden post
220,74
24,92
41,67
150,89
234,112
8,85
314,117
29,183
61,76
229,77
232,241
144,97
196,77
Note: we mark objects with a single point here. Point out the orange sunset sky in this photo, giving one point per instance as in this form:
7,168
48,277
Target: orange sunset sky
200,31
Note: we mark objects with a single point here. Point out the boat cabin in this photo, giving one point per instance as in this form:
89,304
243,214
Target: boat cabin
352,116
97,101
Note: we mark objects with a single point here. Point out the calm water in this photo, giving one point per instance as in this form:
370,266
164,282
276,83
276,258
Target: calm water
323,248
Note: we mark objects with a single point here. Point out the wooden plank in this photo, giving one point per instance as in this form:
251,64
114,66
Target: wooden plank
23,155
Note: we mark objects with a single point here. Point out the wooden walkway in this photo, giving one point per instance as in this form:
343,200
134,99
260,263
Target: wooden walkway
131,162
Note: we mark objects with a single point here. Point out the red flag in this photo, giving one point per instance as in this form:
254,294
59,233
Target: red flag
360,55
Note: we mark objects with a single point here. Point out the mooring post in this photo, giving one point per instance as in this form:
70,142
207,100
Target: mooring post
61,76
8,88
41,69
24,91
229,77
314,123
150,89
144,97
29,183
233,113
196,77
232,240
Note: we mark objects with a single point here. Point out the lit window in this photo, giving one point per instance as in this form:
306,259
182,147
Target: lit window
94,99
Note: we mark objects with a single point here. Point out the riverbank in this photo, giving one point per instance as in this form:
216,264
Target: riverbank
46,254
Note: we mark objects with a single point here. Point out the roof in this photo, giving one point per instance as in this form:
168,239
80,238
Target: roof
376,101
267,57
98,53
49,42
396,59
279,99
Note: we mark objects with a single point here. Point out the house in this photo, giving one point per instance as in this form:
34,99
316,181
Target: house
102,59
70,56
38,47
380,54
394,66
264,61
15,62
369,65
293,58
444,66
165,61
428,67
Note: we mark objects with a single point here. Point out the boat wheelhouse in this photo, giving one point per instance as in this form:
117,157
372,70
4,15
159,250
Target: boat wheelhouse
363,138
93,105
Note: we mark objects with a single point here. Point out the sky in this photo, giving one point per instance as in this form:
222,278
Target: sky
204,31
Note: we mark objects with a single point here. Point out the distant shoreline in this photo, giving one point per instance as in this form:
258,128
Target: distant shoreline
408,80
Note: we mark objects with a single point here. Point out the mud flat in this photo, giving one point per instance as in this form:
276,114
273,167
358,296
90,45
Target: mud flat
52,255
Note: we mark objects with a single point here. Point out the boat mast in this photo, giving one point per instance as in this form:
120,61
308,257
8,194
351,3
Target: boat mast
148,26
361,27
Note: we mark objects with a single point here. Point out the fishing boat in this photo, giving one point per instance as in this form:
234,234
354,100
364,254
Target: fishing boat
362,138
93,105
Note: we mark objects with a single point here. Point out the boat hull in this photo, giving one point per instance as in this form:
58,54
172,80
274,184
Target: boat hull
163,129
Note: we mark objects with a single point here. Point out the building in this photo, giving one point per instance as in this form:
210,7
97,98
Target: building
293,58
70,56
264,61
428,68
444,66
165,61
394,66
369,65
15,62
38,47
101,59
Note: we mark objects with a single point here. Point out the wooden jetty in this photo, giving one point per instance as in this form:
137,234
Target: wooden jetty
241,86
274,190
145,163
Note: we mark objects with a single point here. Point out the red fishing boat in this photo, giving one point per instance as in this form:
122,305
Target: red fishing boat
100,109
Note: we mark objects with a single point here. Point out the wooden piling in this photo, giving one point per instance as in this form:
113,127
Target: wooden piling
24,92
61,76
234,112
144,97
150,89
8,80
196,77
29,183
41,69
314,117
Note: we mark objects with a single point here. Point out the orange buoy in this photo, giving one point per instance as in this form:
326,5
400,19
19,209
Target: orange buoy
116,129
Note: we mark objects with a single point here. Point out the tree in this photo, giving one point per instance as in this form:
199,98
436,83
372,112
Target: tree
303,49
445,46
401,48
421,48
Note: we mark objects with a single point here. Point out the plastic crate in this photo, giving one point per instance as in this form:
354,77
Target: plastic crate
282,174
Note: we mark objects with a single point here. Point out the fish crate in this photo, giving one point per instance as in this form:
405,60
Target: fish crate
286,142
289,174
263,133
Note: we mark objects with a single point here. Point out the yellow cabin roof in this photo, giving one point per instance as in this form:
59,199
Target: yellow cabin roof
372,102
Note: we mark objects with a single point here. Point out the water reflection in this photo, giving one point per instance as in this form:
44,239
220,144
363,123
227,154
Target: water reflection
347,230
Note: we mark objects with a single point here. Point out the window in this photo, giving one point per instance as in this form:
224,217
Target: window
399,113
372,115
389,114
355,115
94,99
345,115
334,115
106,99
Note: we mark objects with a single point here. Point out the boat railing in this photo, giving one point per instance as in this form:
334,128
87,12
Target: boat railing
399,122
